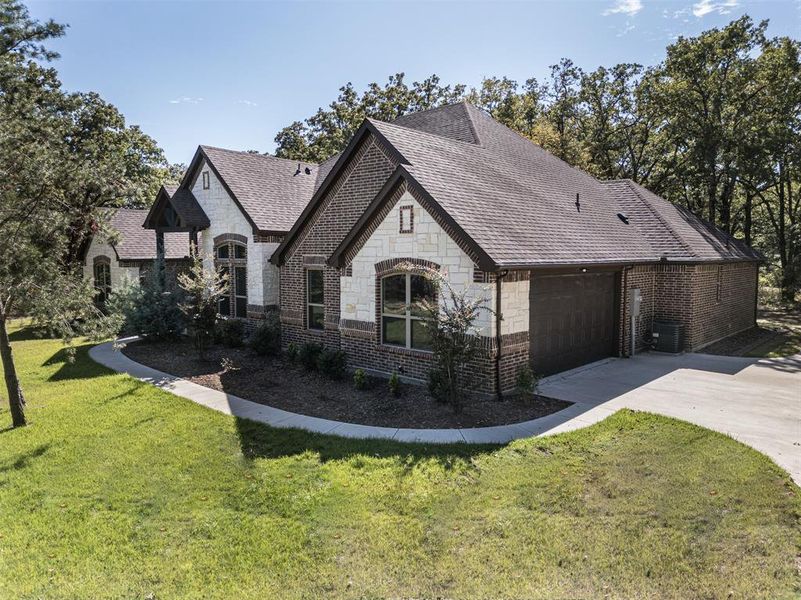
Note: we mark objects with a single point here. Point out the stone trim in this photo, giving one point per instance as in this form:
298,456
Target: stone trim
314,260
131,264
291,317
230,237
348,271
101,260
358,329
260,238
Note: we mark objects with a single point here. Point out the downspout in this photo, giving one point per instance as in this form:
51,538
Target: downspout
498,318
625,302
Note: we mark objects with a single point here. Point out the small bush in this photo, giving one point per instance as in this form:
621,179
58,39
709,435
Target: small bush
150,309
308,355
292,351
359,379
439,385
230,332
527,382
332,363
266,338
394,384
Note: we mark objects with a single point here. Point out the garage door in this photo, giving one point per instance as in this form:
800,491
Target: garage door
572,320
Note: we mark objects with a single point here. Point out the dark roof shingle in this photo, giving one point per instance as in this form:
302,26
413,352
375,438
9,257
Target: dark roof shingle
272,191
138,243
518,202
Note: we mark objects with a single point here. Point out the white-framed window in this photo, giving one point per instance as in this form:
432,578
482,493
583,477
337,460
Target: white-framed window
102,277
315,299
231,259
205,178
403,323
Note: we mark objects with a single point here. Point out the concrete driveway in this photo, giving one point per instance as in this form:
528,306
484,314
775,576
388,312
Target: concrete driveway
755,401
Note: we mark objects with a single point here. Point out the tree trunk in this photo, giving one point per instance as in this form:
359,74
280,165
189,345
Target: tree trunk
16,401
749,212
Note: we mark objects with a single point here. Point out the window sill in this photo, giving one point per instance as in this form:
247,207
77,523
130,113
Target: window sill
405,351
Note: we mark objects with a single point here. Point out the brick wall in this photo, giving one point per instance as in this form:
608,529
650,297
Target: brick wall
344,203
723,302
711,301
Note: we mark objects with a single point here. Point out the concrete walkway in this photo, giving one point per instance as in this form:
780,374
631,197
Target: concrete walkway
757,402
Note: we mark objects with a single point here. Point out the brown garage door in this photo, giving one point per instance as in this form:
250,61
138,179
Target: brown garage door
572,320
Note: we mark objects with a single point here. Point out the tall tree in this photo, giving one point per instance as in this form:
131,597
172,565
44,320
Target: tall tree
706,92
64,160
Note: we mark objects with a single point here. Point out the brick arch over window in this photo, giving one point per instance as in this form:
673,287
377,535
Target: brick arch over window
230,237
392,265
101,260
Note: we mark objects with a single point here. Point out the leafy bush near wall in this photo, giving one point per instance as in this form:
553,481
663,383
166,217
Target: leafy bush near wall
332,363
230,332
359,379
150,309
266,338
394,384
527,382
292,351
308,355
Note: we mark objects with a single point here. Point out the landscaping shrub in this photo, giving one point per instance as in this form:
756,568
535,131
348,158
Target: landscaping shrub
394,384
359,379
230,332
308,355
332,363
266,338
439,385
527,382
150,309
203,288
292,351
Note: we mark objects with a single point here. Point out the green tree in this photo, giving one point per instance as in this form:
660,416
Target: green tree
707,92
203,287
64,158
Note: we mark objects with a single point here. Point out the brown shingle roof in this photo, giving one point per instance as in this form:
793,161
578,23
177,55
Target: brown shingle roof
270,190
518,202
138,243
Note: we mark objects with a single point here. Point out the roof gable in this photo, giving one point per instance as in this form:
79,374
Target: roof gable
175,209
271,192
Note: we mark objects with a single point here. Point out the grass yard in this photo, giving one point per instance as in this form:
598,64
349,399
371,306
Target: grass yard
120,490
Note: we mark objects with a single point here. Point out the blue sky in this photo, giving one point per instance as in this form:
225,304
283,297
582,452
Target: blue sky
231,74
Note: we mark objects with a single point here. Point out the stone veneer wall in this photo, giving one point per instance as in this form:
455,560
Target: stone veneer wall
226,218
99,247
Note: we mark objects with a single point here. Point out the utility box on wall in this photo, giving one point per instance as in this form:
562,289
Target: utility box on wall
635,301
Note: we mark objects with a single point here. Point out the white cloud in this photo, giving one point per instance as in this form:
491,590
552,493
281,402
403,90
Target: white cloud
624,7
246,102
186,100
704,7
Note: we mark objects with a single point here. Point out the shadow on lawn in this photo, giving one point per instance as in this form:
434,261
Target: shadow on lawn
23,461
262,441
74,364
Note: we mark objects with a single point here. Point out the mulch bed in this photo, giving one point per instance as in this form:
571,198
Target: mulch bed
277,382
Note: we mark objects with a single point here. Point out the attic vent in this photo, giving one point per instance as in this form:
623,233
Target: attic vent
308,171
623,218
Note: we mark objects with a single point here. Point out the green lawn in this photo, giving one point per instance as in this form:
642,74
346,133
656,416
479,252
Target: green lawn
788,342
119,490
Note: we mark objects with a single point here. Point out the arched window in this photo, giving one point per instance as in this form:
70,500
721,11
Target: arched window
231,259
402,320
102,277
